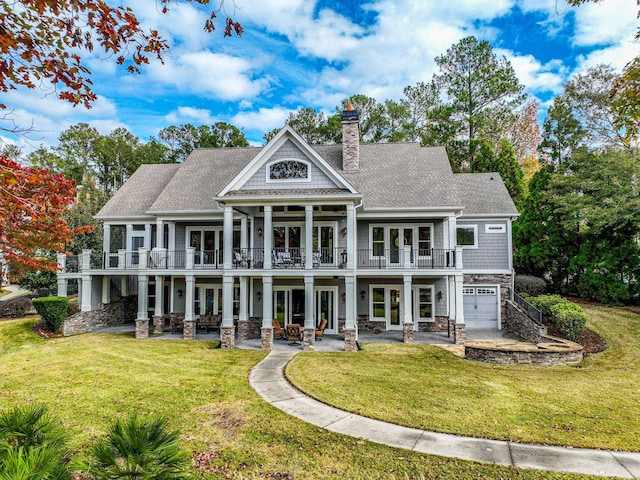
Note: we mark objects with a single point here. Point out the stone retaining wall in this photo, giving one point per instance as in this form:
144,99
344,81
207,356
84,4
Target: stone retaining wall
519,323
541,357
108,315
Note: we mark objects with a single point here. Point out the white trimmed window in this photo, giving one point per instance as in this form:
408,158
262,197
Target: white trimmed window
288,170
467,236
393,238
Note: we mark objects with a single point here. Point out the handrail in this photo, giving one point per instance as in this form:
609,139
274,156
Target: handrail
532,312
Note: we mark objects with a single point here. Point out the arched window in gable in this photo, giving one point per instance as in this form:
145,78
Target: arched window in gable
291,170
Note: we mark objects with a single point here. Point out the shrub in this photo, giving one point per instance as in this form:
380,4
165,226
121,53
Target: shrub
545,302
18,307
570,319
530,285
32,444
139,449
72,308
52,310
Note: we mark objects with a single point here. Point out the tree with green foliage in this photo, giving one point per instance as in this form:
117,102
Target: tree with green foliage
561,133
181,140
76,146
580,227
479,86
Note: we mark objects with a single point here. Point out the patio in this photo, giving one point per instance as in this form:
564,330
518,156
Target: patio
334,343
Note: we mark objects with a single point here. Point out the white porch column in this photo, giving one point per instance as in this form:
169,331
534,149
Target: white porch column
172,236
308,237
228,238
189,324
85,293
406,300
129,235
459,300
62,287
106,239
268,236
451,297
159,307
244,299
159,234
451,221
350,330
267,301
309,331
142,319
190,284
227,300
122,258
147,235
124,286
85,260
244,234
459,258
106,289
190,258
351,236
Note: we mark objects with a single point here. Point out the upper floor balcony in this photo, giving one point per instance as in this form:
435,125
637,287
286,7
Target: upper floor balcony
191,259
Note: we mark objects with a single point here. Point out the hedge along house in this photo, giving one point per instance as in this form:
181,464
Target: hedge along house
367,236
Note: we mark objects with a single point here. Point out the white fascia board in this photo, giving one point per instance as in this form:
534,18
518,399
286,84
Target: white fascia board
417,212
284,199
125,220
489,216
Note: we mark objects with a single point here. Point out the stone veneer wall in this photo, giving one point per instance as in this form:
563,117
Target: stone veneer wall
516,357
108,315
519,323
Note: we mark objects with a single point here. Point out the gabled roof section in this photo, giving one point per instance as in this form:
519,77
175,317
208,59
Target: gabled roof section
399,175
200,178
287,137
484,194
138,193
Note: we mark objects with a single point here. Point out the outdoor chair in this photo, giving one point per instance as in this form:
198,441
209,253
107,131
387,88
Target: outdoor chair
320,329
176,323
294,334
278,330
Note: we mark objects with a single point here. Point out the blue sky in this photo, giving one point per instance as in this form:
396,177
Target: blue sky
306,53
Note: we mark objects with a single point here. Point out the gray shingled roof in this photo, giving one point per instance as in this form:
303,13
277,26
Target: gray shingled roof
201,177
484,193
138,193
391,175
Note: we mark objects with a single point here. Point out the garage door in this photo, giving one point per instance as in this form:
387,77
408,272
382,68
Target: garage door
481,307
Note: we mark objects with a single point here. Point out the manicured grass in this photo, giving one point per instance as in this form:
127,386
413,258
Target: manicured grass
89,380
594,404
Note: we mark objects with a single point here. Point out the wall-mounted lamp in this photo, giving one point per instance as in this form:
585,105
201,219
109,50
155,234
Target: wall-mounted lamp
259,232
259,295
362,294
179,293
344,230
343,296
440,295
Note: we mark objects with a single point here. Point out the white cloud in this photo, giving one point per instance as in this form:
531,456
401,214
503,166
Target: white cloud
197,116
535,76
616,55
212,75
605,23
264,120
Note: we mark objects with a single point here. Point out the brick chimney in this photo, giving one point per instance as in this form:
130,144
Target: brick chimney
350,139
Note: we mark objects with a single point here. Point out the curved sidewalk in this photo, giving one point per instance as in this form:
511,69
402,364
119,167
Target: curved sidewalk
268,379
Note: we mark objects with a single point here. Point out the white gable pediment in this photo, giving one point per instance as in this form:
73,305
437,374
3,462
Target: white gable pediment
287,162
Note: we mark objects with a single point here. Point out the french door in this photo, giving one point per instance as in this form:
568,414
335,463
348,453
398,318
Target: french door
289,306
325,299
386,304
398,239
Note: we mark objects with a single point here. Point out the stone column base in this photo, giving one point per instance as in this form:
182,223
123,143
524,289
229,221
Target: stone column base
407,332
142,328
266,335
459,334
350,344
243,329
158,323
228,337
309,339
189,329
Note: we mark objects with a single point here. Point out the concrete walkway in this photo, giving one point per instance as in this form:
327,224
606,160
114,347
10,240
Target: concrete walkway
16,292
268,379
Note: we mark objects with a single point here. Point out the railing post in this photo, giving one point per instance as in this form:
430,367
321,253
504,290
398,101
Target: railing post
122,258
62,262
190,258
458,253
406,256
143,259
85,263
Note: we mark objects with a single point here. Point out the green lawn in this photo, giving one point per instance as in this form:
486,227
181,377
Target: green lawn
593,404
89,380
